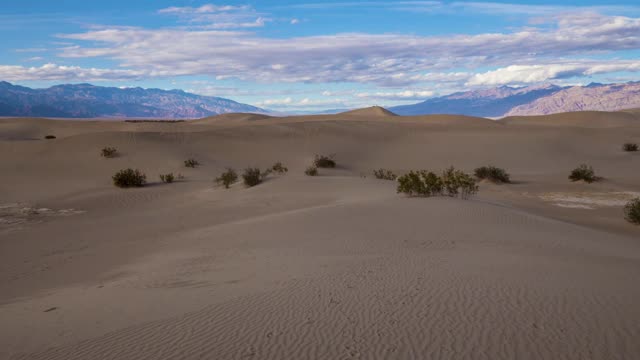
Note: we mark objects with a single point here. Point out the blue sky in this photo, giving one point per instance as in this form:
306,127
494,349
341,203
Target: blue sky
310,55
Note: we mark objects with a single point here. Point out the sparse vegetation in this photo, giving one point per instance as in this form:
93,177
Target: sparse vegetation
632,211
167,178
129,178
457,182
493,174
383,174
191,163
108,152
252,177
583,172
452,183
322,161
279,168
420,183
50,137
227,178
311,171
630,147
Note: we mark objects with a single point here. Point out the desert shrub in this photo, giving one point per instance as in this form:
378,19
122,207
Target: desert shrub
583,172
630,147
252,177
632,211
322,161
279,168
384,174
108,152
457,182
420,183
167,178
227,178
50,137
191,163
452,182
492,173
129,178
311,171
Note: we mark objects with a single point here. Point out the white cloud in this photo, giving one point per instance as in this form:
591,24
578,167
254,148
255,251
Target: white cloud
386,60
295,21
528,74
218,16
305,103
66,73
407,95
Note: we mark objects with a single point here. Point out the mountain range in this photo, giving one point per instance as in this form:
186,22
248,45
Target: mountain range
533,100
89,101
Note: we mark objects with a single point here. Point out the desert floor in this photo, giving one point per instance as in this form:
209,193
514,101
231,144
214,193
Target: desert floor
336,266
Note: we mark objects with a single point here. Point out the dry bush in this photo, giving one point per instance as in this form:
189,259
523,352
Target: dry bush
583,172
383,174
227,178
311,171
279,168
493,174
167,178
630,147
109,152
191,163
322,161
129,178
252,177
632,211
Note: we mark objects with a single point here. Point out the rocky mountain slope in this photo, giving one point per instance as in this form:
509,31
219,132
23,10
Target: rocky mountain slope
534,100
89,101
598,97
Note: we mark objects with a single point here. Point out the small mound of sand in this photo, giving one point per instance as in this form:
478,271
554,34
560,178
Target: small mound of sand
231,117
374,111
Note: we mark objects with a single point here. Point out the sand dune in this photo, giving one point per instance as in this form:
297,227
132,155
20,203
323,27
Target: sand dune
591,119
374,111
328,267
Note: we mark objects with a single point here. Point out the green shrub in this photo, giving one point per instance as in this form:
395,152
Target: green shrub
383,174
630,147
420,183
492,173
452,182
167,178
227,178
322,161
311,171
50,137
191,163
129,178
279,168
252,177
584,173
632,211
457,182
108,152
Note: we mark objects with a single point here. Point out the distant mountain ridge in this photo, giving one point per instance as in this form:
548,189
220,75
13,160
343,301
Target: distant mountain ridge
533,100
90,101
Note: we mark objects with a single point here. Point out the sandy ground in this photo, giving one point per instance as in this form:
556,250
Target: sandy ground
337,266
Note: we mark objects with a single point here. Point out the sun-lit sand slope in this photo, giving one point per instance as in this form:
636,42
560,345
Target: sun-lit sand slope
337,266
